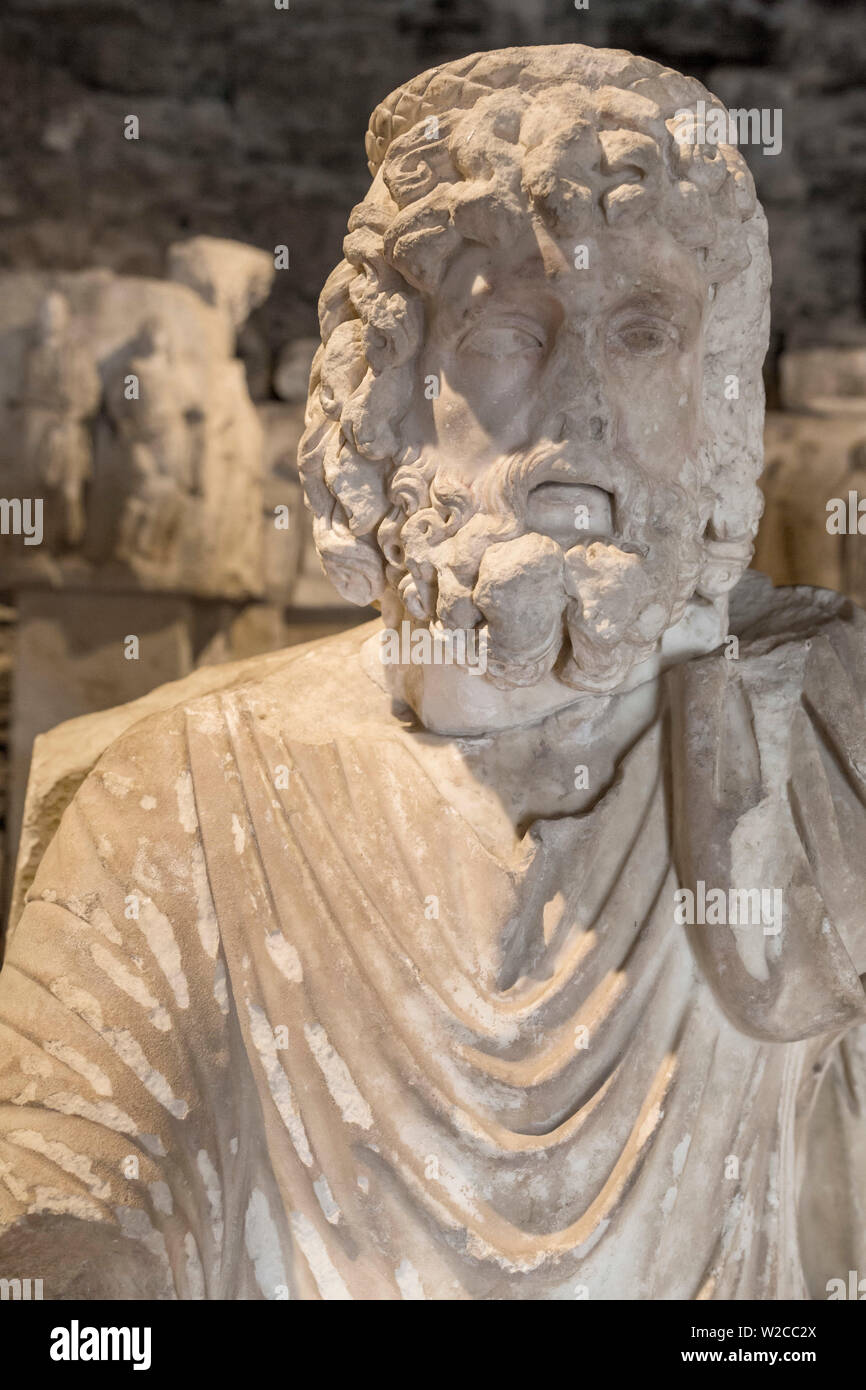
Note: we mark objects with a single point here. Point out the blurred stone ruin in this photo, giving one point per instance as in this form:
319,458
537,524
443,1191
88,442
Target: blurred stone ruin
172,532
815,451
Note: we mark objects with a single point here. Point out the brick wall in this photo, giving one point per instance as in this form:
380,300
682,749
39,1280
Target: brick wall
253,119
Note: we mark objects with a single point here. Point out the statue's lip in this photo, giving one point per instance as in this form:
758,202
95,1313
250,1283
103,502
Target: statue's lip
564,489
566,473
560,504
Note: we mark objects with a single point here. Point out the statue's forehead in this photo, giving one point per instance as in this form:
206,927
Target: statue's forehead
596,267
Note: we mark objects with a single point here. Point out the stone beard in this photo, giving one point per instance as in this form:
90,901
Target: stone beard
338,987
614,597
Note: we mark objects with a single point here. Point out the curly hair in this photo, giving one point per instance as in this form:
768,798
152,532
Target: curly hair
476,150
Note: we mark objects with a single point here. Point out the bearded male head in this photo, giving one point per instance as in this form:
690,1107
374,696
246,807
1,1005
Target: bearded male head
537,404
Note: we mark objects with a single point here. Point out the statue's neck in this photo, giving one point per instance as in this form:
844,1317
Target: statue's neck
458,699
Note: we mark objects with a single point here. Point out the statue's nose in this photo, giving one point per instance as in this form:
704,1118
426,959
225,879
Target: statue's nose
580,425
580,409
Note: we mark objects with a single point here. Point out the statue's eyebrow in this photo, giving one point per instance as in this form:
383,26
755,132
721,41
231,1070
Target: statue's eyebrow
668,299
468,315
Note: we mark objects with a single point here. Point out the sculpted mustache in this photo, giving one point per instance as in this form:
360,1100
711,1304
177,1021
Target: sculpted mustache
506,488
503,495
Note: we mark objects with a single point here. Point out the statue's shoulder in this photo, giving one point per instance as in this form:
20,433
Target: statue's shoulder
310,688
797,649
324,692
764,617
769,790
804,646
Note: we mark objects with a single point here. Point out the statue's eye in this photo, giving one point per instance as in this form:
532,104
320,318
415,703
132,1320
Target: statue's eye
645,337
502,340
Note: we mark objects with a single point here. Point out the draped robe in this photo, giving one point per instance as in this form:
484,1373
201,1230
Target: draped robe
256,1040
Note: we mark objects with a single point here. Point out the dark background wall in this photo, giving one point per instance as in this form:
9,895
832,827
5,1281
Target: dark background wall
252,126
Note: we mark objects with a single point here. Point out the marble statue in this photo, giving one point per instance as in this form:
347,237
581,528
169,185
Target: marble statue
124,409
59,396
520,966
159,430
